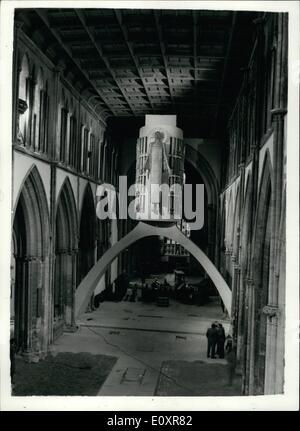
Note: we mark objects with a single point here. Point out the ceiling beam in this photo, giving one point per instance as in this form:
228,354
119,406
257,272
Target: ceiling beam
130,49
102,56
229,44
163,53
43,16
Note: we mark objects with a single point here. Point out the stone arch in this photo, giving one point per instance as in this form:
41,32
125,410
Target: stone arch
31,254
143,230
203,167
65,259
261,275
32,194
87,234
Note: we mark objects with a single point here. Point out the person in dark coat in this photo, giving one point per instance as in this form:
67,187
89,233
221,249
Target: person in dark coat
220,341
212,336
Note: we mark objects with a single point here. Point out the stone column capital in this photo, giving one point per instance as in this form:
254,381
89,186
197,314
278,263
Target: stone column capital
237,268
278,113
249,281
271,311
32,259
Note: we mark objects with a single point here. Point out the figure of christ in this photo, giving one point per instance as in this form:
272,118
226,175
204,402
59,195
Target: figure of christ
159,169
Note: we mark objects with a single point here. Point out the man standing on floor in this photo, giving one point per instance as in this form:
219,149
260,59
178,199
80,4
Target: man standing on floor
212,336
220,341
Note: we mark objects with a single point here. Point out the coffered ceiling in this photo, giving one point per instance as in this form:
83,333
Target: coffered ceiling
132,62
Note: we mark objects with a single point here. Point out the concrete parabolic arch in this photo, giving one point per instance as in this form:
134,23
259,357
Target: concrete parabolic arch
142,230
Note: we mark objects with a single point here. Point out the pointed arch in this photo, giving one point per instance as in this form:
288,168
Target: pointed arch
87,233
88,199
67,207
200,163
264,196
65,259
31,253
32,198
261,274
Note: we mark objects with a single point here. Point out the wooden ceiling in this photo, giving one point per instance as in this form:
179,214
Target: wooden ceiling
132,62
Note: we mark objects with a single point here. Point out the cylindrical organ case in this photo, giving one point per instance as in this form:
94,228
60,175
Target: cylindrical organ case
160,156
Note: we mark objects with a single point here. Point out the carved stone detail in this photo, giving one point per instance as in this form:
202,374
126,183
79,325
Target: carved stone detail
270,311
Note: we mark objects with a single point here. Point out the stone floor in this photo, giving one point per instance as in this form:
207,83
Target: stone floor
144,337
62,374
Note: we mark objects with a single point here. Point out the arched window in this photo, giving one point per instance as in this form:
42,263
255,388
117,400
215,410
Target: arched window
92,156
63,134
73,141
23,102
84,151
37,110
43,119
